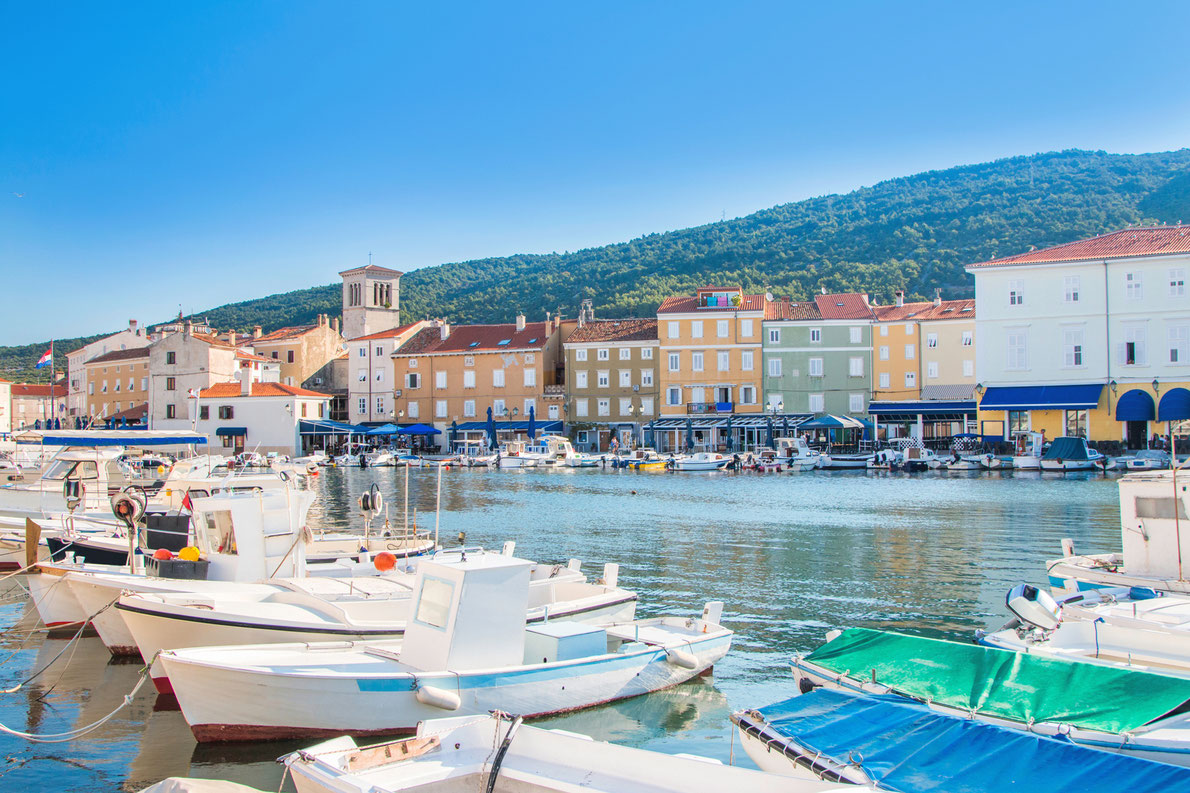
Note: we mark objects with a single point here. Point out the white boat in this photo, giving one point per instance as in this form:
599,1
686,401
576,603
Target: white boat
500,754
994,462
701,461
847,461
1072,453
796,454
1143,460
466,650
334,609
475,454
558,450
515,454
1029,447
967,463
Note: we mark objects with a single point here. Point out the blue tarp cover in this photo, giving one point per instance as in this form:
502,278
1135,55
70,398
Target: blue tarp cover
1041,397
1067,449
1175,405
543,427
1136,406
907,747
328,427
926,408
120,437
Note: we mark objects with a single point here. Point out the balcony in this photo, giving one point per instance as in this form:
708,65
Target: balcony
709,407
555,392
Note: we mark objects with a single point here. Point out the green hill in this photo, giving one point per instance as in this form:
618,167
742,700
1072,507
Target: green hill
915,233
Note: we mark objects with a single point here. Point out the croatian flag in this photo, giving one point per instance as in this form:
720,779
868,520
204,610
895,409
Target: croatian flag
46,358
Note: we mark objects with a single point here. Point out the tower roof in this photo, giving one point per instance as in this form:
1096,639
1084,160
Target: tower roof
372,269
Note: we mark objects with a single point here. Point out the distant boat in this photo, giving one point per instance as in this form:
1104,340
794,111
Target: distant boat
701,461
1071,453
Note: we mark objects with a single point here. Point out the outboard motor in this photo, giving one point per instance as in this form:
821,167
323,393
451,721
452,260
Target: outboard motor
1033,606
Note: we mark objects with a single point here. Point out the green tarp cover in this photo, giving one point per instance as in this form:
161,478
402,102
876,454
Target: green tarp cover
1002,683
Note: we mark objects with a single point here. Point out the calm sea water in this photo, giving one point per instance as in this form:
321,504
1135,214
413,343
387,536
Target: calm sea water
791,556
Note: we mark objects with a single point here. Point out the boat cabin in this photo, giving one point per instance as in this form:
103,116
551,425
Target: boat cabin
250,536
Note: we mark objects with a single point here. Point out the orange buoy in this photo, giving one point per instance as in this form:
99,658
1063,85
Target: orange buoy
384,561
163,554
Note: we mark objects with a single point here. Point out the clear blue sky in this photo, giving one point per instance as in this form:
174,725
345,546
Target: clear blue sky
200,153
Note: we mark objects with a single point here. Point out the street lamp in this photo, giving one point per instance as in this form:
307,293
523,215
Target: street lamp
777,407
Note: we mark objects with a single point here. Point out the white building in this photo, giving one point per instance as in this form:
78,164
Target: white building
1089,338
254,416
371,384
133,337
5,409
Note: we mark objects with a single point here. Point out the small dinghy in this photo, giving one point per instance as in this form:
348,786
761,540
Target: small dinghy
500,754
701,461
466,650
1072,454
1134,713
893,743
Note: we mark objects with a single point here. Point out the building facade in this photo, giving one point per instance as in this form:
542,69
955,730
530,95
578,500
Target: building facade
612,383
116,382
5,409
33,403
371,300
372,385
249,415
301,350
135,336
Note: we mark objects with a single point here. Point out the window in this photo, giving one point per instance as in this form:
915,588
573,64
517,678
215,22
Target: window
379,351
857,335
855,366
625,378
697,394
603,407
226,412
968,338
468,378
117,388
817,403
1018,353
1134,346
204,412
380,405
602,378
884,380
440,409
815,335
1018,421
171,411
580,407
884,353
1070,287
696,329
884,330
275,355
931,340
497,378
1179,344
625,353
625,406
530,378
1177,282
721,328
723,359
673,396
412,363
379,375
855,403
774,367
362,375
1076,423
673,331
746,360
362,406
580,378
553,412
289,357
911,379
171,384
131,383
646,406
1133,286
414,410
910,351
772,402
908,328
815,367
580,355
529,356
1072,347
646,354
1016,293
673,361
696,361
746,328
363,352
144,384
412,380
440,379
932,370
774,335
603,354
747,395
646,377
527,406
469,360
171,357
968,368
468,408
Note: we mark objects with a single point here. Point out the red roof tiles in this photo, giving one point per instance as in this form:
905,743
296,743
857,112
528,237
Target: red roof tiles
38,390
1139,241
786,309
848,305
478,338
392,333
688,304
613,330
282,334
121,355
228,390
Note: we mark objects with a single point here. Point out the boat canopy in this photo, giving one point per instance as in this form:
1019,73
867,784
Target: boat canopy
328,427
1014,686
133,438
1067,449
831,422
551,427
905,746
928,408
1041,397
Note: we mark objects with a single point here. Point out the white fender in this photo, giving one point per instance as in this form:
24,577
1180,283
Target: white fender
438,698
681,658
508,548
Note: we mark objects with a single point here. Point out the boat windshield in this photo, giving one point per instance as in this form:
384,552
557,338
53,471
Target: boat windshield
61,469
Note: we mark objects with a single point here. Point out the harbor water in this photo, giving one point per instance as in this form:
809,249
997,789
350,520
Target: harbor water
791,556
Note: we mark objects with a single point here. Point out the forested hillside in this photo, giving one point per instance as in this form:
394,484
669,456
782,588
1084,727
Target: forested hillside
916,233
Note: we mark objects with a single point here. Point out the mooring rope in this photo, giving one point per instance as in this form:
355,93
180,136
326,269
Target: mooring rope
82,626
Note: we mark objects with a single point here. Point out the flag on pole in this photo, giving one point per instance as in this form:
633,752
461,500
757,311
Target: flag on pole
187,504
46,359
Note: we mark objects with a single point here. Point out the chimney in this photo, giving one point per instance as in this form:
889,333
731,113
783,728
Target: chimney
937,297
230,336
132,327
582,318
520,322
335,324
443,329
188,328
257,332
785,299
245,381
321,320
900,297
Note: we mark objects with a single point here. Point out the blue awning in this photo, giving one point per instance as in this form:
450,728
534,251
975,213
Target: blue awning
1136,405
924,407
121,437
1175,405
420,429
543,427
905,746
232,431
1041,397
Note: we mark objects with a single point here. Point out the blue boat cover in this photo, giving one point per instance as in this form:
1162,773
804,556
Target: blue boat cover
924,407
1041,397
1175,405
328,427
907,747
543,427
1136,405
1067,449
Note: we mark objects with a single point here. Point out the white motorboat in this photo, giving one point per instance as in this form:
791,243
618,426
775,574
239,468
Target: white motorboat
843,461
515,454
1143,460
1072,453
701,461
994,462
1029,447
466,650
796,454
500,754
558,450
968,463
334,609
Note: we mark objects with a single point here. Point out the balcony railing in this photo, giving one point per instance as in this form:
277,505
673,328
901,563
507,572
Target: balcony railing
710,407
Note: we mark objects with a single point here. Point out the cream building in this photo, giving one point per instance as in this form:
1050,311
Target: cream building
371,300
371,381
135,336
5,409
117,381
249,415
301,350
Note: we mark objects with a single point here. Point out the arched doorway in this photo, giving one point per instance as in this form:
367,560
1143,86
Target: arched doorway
1136,410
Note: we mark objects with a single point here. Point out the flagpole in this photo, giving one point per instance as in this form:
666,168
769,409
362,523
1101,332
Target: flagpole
52,412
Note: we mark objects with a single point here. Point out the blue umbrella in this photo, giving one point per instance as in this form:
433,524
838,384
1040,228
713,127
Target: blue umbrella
649,434
57,424
771,443
689,434
123,421
454,433
491,429
532,431
730,435
37,424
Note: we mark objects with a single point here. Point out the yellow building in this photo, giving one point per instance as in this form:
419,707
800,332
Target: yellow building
301,350
117,381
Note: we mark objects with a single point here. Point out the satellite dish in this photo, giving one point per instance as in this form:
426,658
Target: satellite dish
768,296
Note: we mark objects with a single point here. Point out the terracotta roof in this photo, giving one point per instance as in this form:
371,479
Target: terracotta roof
228,390
121,355
37,390
251,356
282,334
387,334
631,329
948,309
134,412
847,305
802,309
688,304
371,268
213,340
1122,244
477,338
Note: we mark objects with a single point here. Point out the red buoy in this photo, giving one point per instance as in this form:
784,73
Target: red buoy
384,561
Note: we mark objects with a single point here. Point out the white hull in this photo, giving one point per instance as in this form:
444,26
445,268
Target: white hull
1102,571
1026,463
846,462
775,761
1069,465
